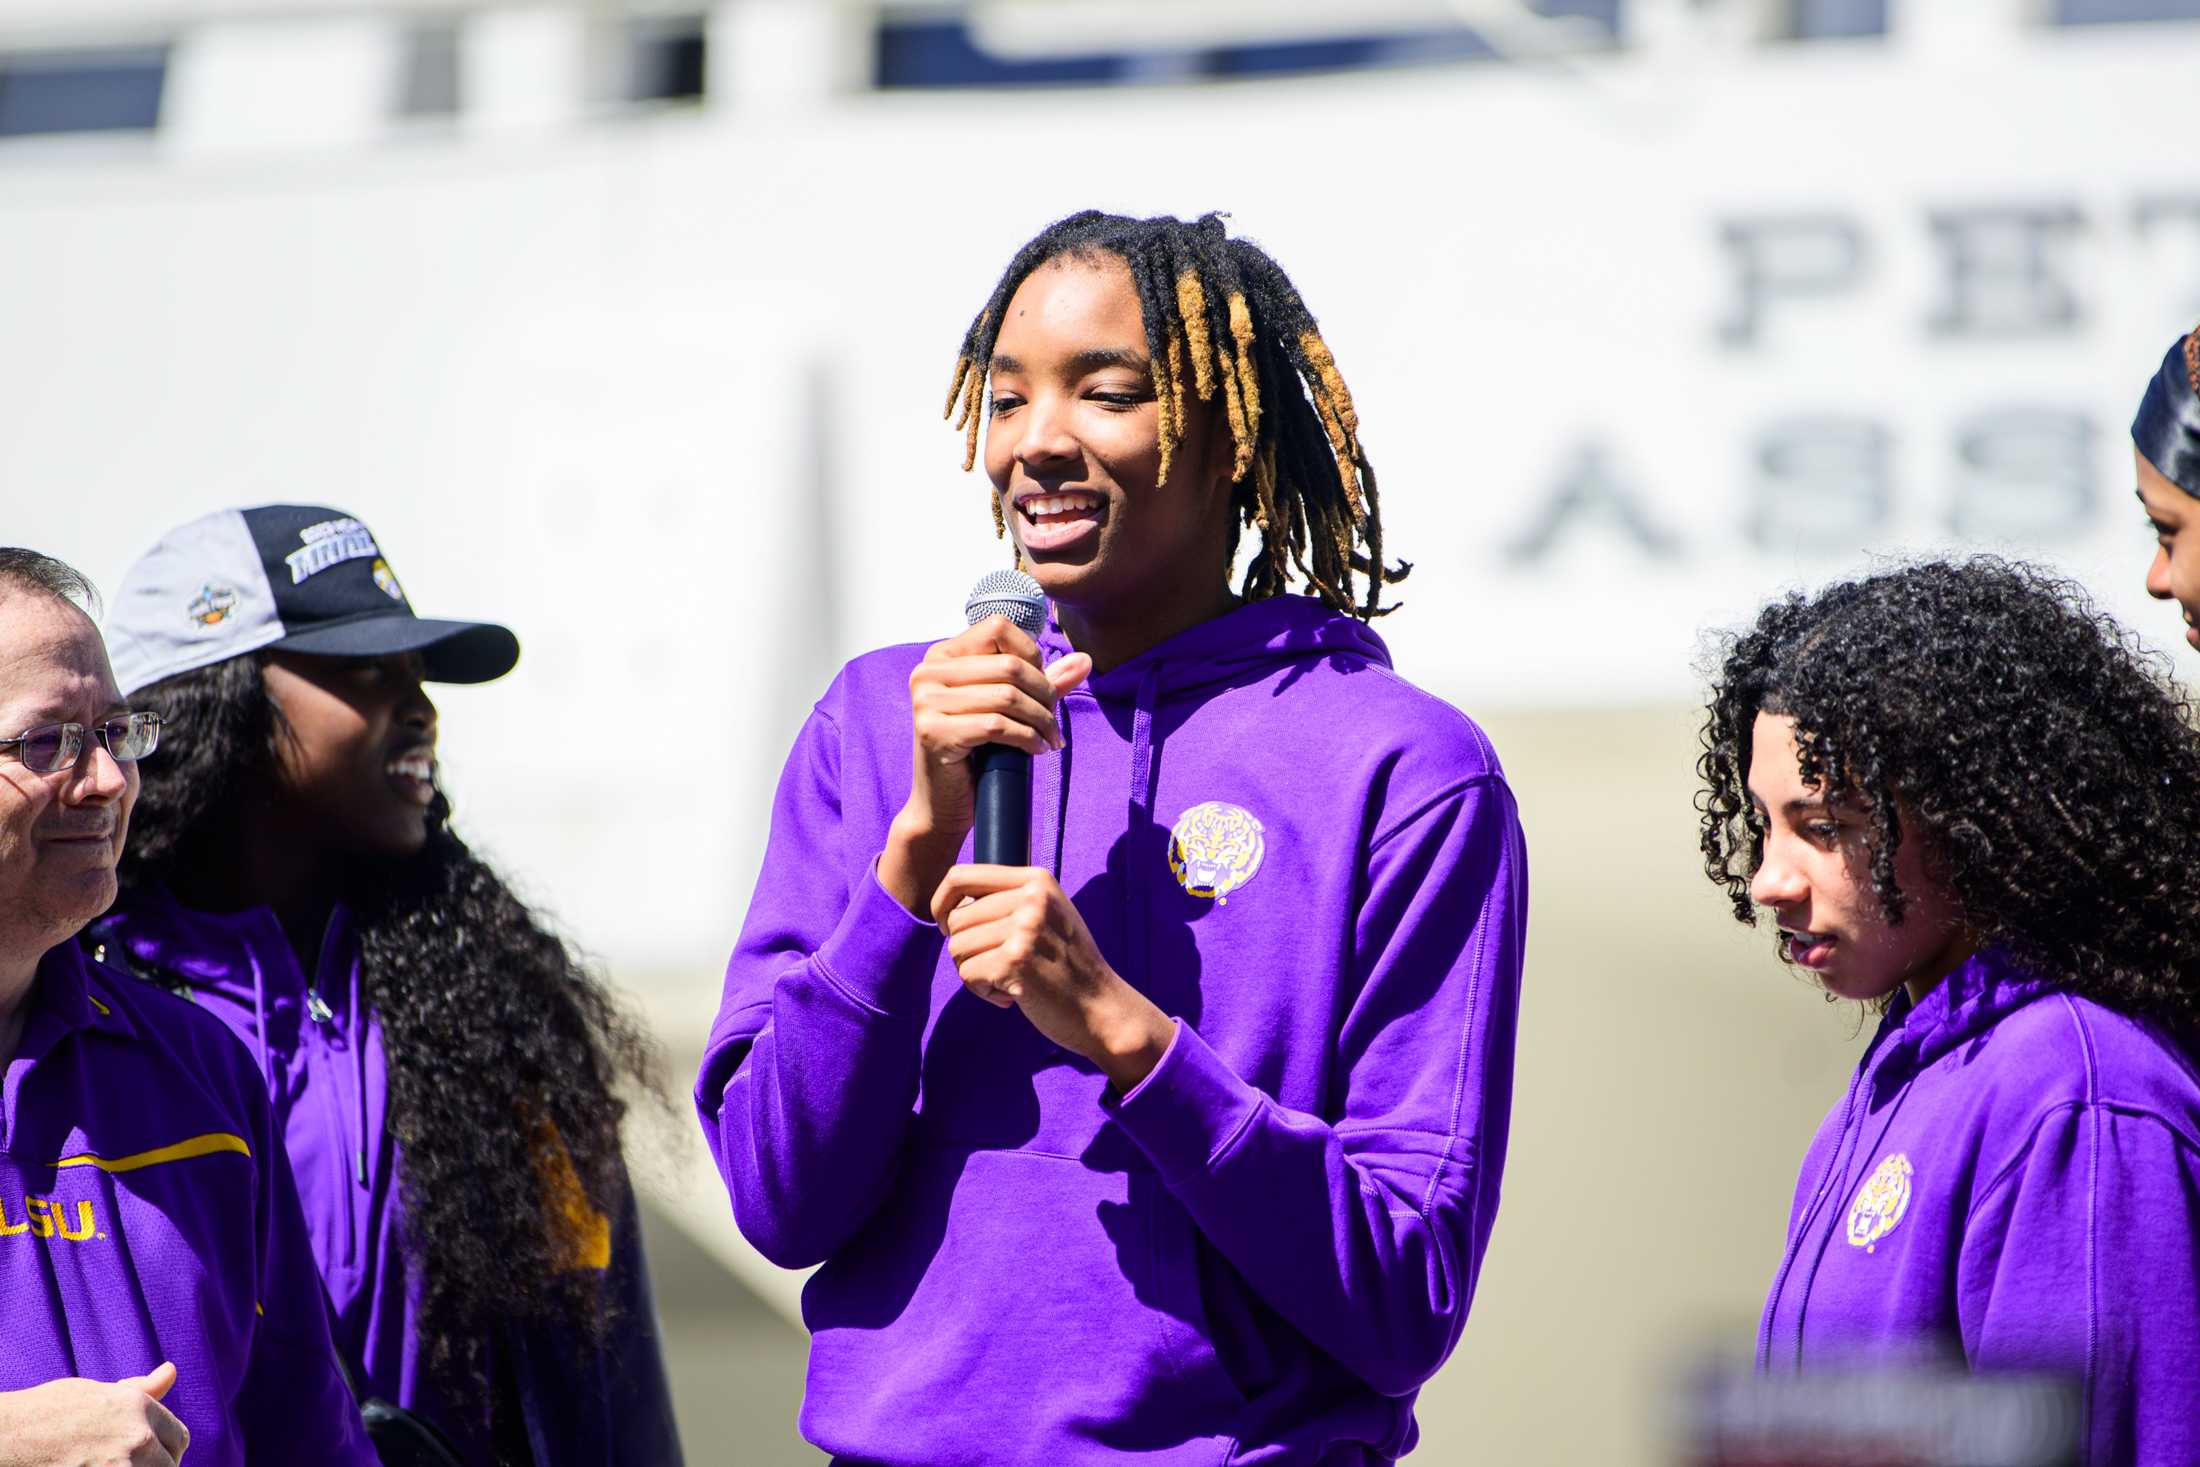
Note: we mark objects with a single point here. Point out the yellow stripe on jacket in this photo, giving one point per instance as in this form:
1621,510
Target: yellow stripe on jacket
207,1145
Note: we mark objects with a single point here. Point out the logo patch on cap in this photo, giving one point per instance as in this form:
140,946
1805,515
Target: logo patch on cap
387,580
211,607
329,543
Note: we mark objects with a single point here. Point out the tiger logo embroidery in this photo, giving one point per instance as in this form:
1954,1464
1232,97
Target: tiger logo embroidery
1215,848
1880,1203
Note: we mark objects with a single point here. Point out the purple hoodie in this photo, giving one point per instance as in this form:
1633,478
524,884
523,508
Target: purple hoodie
318,1049
2015,1174
1261,1252
147,1214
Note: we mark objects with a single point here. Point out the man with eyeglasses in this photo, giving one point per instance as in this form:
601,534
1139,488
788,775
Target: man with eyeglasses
155,1275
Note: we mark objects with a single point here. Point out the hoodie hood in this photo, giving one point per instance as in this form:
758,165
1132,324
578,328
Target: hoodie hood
1986,989
1239,644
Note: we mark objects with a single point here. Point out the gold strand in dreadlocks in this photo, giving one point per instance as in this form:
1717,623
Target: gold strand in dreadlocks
1333,400
969,386
1162,366
1191,305
1241,332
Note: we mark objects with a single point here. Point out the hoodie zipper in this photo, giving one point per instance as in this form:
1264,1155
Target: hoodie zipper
326,1072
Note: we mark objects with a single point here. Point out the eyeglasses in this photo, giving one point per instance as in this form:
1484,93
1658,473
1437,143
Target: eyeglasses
53,747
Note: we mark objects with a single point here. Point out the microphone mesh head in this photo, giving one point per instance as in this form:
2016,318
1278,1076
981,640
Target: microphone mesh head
1008,593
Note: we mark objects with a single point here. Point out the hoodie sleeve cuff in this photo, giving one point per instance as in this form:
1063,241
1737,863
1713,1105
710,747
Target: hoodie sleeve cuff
1188,1110
879,955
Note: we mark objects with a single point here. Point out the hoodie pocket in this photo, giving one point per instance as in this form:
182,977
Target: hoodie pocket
1017,1307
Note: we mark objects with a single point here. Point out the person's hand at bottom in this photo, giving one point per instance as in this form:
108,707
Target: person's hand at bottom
1017,938
93,1423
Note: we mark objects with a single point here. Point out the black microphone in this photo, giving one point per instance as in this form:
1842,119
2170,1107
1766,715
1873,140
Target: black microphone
1002,834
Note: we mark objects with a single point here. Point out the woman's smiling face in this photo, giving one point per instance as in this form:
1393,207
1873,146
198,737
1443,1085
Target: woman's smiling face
356,749
1073,445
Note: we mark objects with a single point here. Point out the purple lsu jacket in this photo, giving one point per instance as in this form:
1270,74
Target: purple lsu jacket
1260,1253
147,1213
2013,1178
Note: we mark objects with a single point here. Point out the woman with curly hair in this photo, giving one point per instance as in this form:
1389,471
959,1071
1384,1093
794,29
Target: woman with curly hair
1968,798
444,1072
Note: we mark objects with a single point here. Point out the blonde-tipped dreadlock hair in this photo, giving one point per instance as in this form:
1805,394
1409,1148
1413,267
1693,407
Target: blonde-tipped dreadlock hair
1222,310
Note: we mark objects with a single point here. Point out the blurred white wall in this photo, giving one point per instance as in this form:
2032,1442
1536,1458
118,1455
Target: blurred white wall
1635,343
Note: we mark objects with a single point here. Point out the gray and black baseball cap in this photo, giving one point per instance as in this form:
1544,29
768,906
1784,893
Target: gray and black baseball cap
302,577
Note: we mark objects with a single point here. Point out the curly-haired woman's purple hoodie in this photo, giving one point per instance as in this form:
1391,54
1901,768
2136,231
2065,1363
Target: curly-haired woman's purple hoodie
1260,1252
2015,1176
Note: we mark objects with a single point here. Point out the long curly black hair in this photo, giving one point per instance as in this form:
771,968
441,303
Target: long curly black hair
2047,761
490,1023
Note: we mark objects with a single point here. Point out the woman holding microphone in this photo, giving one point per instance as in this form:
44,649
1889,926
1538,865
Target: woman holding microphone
1184,1140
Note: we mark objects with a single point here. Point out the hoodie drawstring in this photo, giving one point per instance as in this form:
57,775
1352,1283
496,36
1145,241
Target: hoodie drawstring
1141,821
1050,795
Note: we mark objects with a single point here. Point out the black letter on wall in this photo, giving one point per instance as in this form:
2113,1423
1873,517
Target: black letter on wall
1791,257
2150,214
2027,474
1824,486
1589,490
2002,271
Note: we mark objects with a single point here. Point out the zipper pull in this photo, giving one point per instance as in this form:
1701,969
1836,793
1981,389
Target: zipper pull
317,1008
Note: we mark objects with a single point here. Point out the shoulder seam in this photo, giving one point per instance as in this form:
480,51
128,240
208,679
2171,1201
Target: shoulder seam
1461,714
2092,1199
2046,1117
2085,1047
2182,1141
1450,792
2016,1158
